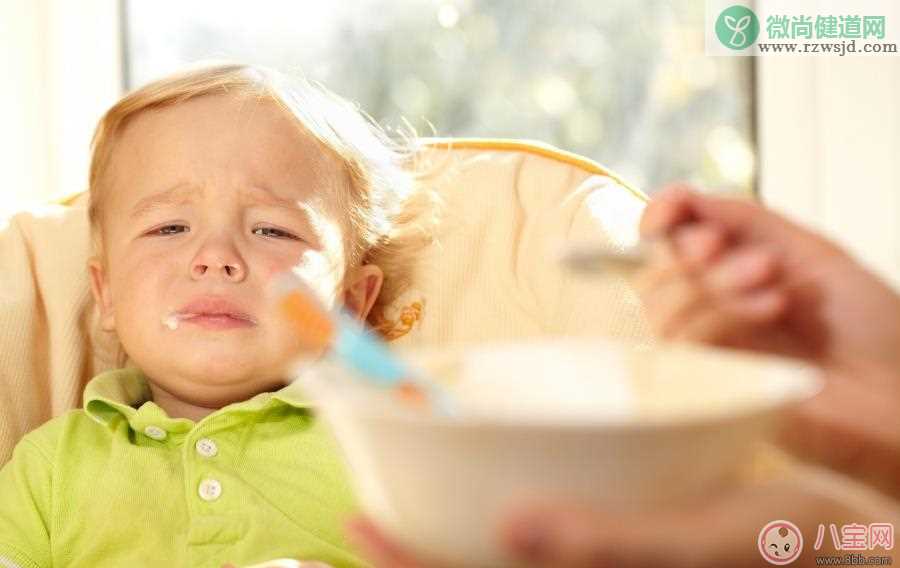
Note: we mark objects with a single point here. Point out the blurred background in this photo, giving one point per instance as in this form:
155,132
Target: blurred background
625,83
628,85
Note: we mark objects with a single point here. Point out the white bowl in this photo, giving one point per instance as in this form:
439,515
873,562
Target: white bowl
609,424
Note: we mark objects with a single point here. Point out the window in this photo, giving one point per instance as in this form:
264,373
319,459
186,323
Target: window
624,83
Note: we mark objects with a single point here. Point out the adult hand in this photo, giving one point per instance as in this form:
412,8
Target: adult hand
722,531
734,274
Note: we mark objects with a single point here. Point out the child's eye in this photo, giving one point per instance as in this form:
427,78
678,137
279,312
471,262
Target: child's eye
272,232
167,230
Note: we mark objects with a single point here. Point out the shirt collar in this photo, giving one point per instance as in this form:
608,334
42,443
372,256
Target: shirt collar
125,393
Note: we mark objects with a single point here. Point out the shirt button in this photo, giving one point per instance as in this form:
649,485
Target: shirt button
206,448
209,490
155,432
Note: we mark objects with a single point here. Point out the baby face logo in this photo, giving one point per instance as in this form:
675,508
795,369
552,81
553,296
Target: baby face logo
780,542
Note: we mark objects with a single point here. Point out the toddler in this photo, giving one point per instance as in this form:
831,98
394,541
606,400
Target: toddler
203,186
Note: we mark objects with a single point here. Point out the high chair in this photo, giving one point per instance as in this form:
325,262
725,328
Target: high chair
491,275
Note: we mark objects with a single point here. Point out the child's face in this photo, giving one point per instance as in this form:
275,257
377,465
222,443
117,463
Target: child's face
206,201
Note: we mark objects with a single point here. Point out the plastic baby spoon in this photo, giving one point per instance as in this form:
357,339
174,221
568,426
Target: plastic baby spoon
353,345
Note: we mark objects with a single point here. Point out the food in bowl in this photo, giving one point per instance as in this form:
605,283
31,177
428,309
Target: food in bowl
611,424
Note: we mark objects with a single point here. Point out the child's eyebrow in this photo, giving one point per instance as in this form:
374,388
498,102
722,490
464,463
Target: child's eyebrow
183,193
266,196
176,195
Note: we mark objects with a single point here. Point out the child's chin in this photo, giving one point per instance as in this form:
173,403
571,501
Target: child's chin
220,389
222,367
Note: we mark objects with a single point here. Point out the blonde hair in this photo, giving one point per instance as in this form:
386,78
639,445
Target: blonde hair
390,216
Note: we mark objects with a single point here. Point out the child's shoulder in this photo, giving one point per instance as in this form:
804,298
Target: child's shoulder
63,429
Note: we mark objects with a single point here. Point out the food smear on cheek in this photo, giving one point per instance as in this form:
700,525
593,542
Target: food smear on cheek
170,321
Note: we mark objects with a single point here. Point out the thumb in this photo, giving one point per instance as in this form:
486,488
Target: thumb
570,536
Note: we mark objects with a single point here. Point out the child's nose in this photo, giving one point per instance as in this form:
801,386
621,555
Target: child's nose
230,270
218,258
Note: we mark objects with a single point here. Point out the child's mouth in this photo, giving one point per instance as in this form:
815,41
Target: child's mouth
210,313
216,321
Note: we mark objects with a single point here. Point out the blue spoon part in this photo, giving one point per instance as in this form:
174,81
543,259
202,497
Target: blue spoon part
365,353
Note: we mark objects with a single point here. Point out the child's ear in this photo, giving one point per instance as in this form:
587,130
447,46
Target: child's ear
362,287
100,291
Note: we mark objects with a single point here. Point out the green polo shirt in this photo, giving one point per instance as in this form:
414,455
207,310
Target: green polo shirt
120,483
